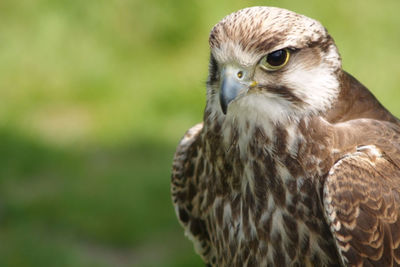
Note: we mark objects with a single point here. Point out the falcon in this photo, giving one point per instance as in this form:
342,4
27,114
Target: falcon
296,163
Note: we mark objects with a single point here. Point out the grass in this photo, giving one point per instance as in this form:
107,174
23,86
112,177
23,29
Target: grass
94,98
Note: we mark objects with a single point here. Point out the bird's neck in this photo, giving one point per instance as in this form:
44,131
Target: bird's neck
258,138
355,101
240,131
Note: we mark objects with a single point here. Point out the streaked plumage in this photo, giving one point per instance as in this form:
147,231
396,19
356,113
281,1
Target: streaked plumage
297,165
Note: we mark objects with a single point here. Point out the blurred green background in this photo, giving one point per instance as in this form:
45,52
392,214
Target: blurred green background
95,96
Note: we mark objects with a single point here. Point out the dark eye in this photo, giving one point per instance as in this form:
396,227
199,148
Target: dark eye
275,60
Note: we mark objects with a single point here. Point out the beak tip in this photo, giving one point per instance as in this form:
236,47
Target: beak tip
224,104
223,110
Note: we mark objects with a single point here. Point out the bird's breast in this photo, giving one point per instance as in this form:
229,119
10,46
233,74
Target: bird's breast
261,205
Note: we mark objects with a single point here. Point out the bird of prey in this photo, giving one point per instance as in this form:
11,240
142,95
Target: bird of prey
296,163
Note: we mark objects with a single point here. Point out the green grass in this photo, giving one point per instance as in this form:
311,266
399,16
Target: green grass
95,95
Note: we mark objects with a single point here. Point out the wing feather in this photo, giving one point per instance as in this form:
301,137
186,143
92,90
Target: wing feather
362,206
183,189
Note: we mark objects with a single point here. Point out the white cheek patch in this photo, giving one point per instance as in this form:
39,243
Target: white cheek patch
317,86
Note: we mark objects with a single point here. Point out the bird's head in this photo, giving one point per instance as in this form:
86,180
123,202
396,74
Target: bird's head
271,62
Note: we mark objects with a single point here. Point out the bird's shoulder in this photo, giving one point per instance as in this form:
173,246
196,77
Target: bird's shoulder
186,146
361,196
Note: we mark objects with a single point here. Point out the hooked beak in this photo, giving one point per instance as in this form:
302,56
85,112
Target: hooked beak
233,83
229,90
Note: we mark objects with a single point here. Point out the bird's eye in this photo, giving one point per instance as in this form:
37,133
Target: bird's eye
275,60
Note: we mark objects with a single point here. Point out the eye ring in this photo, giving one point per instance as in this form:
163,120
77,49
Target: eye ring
275,60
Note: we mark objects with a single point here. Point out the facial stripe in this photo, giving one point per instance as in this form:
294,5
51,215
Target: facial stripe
282,91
